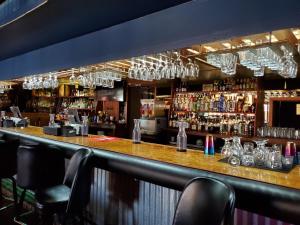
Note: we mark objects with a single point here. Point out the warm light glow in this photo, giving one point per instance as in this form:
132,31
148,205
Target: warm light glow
193,51
153,58
114,65
142,60
226,45
123,64
248,42
210,49
273,38
296,33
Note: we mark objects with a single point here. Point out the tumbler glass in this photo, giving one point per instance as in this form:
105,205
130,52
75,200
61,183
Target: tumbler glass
237,151
248,157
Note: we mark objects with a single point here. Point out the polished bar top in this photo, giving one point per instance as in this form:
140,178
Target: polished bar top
168,154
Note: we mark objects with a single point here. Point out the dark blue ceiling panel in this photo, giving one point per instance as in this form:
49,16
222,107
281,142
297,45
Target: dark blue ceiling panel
60,20
186,24
11,10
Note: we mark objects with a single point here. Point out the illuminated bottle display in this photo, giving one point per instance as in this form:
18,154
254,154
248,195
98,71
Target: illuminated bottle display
223,107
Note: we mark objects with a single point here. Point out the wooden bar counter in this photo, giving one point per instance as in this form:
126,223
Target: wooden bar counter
266,192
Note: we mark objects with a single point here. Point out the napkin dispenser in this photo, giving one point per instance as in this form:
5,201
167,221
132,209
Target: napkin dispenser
22,123
8,123
18,122
68,131
52,130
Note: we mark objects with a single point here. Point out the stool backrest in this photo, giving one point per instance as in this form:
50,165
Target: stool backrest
78,178
39,166
205,201
8,157
29,161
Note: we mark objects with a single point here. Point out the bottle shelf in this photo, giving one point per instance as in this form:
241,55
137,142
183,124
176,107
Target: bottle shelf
83,109
44,96
221,92
91,97
220,113
204,133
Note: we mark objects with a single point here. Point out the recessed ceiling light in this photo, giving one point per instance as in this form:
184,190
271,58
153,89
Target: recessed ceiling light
113,64
210,49
296,32
193,51
248,42
142,60
153,58
273,38
227,45
123,64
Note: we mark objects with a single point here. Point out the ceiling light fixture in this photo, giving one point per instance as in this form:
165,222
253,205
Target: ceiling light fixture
296,33
226,45
248,42
272,37
193,51
210,49
123,64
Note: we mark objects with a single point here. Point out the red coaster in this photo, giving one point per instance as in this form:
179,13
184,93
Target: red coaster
104,139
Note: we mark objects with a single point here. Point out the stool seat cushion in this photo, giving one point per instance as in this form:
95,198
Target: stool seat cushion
53,198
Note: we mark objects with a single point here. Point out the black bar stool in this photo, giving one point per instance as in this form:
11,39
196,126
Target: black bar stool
8,166
38,167
71,197
205,201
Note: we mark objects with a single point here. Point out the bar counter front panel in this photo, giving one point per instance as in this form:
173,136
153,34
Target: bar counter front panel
162,169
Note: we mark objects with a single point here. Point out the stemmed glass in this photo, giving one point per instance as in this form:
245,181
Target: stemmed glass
289,66
170,67
178,69
72,78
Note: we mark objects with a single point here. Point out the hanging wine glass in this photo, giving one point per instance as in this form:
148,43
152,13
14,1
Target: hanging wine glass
54,82
131,70
178,66
72,78
152,73
25,83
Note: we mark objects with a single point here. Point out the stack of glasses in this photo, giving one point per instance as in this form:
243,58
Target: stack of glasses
278,132
41,82
104,77
168,66
261,155
257,59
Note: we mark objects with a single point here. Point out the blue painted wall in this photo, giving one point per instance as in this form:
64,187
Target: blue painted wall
194,22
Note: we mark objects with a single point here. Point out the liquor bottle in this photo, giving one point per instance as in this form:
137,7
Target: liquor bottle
216,104
221,103
171,120
251,128
211,103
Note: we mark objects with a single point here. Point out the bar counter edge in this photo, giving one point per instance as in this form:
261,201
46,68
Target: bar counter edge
258,197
